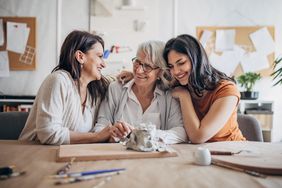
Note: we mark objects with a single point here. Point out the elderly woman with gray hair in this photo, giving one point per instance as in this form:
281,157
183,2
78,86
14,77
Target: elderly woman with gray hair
144,99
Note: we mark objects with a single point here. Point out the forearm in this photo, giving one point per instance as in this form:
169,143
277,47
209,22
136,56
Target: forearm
191,122
82,138
173,136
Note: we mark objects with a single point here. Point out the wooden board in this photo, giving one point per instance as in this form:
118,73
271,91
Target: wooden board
267,165
15,59
258,156
242,39
92,152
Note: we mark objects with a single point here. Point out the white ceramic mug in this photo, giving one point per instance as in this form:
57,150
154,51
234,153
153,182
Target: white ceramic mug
202,156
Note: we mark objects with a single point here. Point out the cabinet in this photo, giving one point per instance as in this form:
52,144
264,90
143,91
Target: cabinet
262,111
16,103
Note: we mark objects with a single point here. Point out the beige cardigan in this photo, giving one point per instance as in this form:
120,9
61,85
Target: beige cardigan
56,111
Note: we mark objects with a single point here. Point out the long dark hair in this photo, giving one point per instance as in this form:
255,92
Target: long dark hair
83,41
203,75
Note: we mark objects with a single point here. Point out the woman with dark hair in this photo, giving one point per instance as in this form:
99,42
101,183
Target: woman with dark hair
65,108
208,98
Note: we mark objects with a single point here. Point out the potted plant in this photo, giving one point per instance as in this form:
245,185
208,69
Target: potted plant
277,74
248,81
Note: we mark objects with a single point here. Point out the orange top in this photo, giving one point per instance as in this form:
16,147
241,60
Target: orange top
230,131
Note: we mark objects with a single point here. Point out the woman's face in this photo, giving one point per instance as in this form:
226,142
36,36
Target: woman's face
93,62
145,77
180,66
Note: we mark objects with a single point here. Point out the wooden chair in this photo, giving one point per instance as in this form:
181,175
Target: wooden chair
11,124
250,127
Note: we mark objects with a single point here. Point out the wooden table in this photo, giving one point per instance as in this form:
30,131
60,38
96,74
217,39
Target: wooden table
39,161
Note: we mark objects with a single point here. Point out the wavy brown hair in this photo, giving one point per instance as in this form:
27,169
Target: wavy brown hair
83,41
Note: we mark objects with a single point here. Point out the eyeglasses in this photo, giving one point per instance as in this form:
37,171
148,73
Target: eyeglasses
146,68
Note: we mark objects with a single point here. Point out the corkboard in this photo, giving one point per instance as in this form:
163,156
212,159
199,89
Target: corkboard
242,39
15,59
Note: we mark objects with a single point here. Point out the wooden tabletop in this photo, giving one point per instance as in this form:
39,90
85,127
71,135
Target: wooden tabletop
39,161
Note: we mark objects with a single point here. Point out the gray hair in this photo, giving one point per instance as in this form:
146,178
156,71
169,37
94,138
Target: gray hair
154,54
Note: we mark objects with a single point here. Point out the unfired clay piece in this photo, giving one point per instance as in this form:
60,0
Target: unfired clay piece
143,138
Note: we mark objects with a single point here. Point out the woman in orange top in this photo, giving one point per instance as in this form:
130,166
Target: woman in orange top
208,97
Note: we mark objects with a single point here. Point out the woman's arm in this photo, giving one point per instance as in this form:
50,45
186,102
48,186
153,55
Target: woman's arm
90,137
218,114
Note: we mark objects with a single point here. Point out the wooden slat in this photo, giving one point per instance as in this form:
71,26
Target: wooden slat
92,152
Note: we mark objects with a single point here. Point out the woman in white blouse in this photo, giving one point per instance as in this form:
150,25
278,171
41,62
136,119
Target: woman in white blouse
68,99
144,99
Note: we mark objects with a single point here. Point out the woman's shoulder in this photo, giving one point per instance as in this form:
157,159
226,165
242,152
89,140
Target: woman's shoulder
57,79
227,87
59,76
226,83
115,85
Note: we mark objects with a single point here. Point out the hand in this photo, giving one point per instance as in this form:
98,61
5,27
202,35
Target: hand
112,140
125,76
180,92
104,134
121,129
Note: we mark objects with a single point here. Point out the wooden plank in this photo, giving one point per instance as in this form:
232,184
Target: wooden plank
113,151
270,165
256,156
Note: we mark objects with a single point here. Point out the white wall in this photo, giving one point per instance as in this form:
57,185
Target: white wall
191,13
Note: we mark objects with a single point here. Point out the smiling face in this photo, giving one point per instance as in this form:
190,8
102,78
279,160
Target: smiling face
180,66
93,62
141,77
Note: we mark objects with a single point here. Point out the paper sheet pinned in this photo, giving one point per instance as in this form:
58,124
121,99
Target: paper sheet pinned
225,40
17,36
205,37
228,61
263,41
253,62
1,33
4,64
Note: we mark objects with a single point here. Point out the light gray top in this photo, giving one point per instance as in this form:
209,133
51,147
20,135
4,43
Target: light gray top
57,110
113,109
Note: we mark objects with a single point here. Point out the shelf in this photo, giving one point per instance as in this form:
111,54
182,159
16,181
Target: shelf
16,103
262,111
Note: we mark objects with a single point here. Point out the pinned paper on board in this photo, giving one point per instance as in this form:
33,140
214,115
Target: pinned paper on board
27,56
20,42
225,40
1,32
17,36
254,62
4,64
263,41
235,50
205,37
228,60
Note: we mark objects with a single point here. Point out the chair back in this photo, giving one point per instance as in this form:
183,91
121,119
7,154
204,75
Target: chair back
250,127
11,124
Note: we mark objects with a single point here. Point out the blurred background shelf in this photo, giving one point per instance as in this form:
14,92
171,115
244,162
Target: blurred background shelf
263,112
10,103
